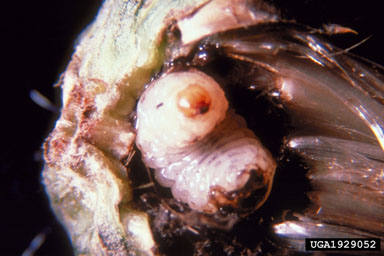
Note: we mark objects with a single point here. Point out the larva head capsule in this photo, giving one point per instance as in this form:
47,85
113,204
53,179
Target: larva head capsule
193,100
200,149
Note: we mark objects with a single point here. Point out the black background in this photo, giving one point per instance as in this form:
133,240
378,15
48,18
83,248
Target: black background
38,39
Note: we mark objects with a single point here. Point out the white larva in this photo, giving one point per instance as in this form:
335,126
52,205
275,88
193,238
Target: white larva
197,146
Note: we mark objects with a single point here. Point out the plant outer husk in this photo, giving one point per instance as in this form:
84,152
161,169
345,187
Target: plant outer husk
87,153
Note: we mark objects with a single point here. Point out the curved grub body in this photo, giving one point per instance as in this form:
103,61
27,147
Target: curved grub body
210,159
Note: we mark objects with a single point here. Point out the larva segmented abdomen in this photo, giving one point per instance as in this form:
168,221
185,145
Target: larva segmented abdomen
200,149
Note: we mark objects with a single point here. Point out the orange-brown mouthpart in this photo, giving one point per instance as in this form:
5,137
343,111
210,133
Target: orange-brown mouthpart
193,100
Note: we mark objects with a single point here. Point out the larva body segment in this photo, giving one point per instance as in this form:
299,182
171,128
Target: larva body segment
198,147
